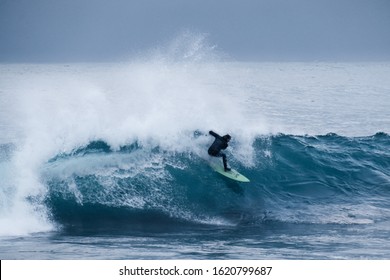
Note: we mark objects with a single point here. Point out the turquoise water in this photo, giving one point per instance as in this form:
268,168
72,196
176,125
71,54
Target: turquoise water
110,161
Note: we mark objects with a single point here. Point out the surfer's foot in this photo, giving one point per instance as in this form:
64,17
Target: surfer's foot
227,169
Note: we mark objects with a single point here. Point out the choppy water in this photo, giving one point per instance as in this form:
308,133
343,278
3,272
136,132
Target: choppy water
109,161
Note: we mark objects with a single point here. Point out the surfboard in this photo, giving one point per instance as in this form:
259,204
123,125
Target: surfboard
232,174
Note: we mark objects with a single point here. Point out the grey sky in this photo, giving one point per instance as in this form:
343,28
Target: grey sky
82,30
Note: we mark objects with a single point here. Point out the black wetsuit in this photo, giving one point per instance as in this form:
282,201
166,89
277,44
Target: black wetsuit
220,143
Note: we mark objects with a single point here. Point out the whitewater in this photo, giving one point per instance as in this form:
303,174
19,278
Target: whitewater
109,160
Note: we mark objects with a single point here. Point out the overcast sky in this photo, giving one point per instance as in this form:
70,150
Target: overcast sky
85,30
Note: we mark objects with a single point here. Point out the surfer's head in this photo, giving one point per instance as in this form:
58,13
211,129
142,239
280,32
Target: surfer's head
227,137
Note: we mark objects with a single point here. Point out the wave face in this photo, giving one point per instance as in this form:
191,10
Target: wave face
294,179
114,144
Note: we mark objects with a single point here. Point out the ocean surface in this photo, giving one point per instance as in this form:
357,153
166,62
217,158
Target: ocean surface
109,161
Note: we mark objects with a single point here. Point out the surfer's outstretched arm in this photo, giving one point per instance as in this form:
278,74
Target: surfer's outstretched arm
214,134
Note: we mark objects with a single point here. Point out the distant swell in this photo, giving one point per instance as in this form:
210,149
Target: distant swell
294,179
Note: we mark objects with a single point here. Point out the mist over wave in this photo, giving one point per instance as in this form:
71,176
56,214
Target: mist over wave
150,118
53,109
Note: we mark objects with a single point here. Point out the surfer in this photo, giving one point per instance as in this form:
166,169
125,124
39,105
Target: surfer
220,143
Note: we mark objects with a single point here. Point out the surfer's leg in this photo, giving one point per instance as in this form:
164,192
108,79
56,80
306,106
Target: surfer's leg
224,160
